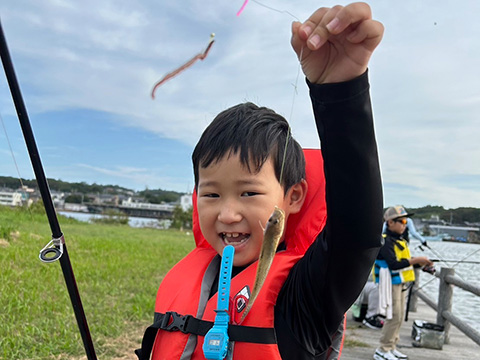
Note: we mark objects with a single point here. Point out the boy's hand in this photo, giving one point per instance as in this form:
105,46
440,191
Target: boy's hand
421,260
337,42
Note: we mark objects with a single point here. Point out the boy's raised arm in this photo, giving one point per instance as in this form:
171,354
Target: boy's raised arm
334,46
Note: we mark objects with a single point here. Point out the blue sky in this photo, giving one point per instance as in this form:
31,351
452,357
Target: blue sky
86,70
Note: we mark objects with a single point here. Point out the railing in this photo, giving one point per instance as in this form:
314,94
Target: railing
443,308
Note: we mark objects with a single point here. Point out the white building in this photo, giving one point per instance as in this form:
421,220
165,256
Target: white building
129,203
11,198
186,202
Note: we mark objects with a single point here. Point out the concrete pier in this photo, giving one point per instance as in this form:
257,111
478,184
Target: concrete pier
361,341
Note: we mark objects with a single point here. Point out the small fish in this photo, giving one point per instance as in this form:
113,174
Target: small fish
271,237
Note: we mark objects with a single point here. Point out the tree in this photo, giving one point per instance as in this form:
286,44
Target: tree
74,199
182,219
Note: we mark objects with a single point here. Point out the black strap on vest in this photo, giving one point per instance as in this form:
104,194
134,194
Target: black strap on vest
172,321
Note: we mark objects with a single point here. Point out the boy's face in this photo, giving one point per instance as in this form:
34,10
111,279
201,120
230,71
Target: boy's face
398,225
233,205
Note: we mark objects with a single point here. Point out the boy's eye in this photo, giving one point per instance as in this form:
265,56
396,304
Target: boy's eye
249,193
211,195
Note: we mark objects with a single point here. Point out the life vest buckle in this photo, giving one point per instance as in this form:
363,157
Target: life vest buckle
178,322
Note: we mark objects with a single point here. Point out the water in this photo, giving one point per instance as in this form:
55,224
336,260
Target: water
136,222
465,304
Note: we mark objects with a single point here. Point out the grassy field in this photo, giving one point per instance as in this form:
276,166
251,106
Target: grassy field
117,269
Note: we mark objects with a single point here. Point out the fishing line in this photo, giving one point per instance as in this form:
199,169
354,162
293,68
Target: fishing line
295,85
14,161
458,262
277,10
466,257
437,254
11,150
289,133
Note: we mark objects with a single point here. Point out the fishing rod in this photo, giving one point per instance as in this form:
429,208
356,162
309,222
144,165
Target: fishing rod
456,261
436,253
56,249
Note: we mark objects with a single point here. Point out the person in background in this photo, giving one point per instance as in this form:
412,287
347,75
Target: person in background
367,304
394,270
410,230
369,295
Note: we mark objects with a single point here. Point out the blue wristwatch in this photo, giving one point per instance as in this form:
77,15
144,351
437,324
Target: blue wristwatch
215,345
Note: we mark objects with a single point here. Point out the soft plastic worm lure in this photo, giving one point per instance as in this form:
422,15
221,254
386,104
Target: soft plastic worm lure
189,63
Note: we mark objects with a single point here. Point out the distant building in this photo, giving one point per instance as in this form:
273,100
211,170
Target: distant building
75,207
186,202
105,199
459,233
12,198
129,203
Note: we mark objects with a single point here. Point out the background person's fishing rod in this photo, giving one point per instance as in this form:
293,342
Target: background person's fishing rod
56,249
432,272
456,261
461,261
437,254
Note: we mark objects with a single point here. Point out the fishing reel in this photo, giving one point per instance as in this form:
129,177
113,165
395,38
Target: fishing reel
429,269
52,251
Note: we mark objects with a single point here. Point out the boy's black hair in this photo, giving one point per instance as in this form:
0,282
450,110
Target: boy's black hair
256,133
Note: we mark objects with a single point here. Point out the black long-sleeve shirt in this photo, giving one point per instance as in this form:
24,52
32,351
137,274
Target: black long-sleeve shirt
326,281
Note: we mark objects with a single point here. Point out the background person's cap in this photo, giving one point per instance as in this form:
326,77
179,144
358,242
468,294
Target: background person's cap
394,212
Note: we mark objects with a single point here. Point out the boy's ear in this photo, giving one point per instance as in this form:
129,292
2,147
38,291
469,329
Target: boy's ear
296,196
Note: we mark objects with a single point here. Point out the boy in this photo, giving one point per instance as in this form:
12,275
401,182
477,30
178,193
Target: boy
240,176
396,263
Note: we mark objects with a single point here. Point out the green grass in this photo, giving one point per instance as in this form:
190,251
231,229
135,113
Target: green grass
117,269
350,343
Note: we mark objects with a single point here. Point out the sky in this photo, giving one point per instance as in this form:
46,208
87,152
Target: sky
86,70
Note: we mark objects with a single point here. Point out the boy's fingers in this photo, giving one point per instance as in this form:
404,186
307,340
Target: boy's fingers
332,21
369,32
296,41
349,15
311,32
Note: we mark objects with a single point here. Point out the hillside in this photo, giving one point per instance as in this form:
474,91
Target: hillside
154,196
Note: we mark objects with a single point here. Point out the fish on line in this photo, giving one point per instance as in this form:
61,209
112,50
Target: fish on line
272,234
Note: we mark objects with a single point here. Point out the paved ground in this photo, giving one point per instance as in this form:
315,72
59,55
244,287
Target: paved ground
459,348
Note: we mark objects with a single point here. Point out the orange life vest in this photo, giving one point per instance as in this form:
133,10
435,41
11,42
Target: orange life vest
186,288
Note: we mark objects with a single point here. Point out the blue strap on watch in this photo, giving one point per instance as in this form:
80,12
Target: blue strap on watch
215,345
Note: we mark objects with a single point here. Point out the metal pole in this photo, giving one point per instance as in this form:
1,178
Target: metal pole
46,197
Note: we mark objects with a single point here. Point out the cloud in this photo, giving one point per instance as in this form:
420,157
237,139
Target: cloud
137,178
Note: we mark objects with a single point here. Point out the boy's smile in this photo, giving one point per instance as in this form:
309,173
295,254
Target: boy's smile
235,204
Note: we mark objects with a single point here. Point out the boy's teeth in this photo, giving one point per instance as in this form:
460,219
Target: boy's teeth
234,238
235,242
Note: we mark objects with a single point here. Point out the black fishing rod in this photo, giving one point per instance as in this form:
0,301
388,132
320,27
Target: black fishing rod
462,260
436,253
456,261
56,249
